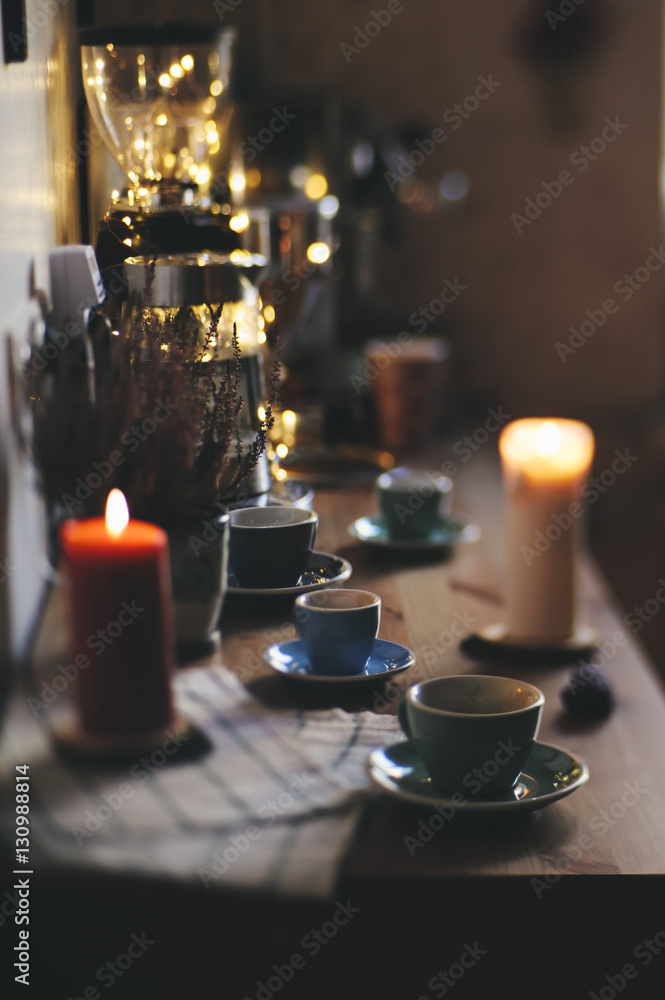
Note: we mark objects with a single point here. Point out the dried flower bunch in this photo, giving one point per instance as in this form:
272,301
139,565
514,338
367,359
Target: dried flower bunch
162,423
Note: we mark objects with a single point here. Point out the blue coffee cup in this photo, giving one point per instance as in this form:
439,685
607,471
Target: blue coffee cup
339,629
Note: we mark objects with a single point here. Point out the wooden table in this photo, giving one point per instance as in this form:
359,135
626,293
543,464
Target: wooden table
426,604
588,868
554,903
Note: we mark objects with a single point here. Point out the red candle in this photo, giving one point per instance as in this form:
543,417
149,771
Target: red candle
121,620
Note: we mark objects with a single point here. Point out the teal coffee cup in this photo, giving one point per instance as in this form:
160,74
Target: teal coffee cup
339,629
413,503
472,732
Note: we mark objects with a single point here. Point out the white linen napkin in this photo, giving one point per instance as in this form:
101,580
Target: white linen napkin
271,807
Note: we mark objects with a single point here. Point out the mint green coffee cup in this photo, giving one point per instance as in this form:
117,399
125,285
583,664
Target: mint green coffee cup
413,503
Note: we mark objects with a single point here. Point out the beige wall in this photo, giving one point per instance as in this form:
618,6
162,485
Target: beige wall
38,209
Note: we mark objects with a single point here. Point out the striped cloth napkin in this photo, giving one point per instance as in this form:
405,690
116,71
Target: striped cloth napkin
271,807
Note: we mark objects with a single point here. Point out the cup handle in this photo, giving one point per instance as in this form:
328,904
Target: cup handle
402,718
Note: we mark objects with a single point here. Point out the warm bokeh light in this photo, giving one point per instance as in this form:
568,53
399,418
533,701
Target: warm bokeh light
237,182
117,513
316,186
187,62
318,253
239,223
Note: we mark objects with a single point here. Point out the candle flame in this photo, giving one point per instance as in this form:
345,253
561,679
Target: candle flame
117,513
548,439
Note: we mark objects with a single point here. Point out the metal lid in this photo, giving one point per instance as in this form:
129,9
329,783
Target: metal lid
195,278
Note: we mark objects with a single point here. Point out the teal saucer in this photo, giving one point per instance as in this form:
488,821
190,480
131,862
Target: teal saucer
455,529
549,774
387,659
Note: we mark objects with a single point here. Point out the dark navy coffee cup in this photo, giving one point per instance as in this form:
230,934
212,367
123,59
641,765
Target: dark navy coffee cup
338,628
269,547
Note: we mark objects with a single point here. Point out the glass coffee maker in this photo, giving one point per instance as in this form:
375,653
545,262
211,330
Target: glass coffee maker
160,96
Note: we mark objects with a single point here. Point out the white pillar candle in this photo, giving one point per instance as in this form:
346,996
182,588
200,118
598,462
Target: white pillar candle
544,465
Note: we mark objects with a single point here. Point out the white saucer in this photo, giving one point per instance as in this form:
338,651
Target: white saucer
324,570
387,659
549,774
455,529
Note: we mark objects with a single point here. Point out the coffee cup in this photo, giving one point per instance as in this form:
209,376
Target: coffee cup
338,628
269,547
409,383
472,732
413,503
